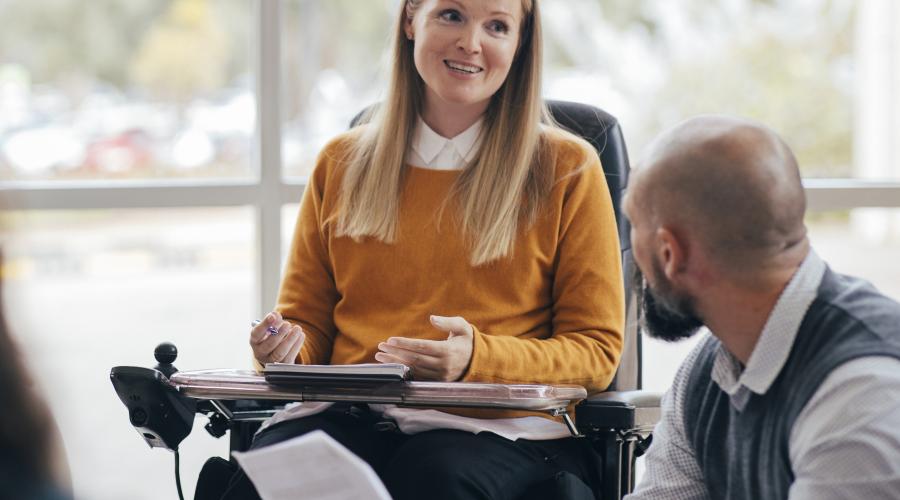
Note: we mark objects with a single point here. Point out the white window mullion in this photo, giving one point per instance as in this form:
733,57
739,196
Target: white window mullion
268,140
61,195
844,194
822,194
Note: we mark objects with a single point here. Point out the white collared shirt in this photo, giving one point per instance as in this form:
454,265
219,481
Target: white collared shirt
844,443
780,330
432,150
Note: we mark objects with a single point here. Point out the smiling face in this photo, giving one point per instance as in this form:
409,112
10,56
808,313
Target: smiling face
464,50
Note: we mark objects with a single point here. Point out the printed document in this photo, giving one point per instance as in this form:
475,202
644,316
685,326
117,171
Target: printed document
313,466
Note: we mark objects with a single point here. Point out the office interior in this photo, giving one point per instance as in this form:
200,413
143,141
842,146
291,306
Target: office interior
153,154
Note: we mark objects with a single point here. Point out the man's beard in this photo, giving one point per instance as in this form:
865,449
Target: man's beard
667,315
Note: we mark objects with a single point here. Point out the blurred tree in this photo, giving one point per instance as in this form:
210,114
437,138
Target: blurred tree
783,62
794,93
74,45
346,35
184,53
59,39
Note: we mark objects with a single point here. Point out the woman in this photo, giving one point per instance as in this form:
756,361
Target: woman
488,257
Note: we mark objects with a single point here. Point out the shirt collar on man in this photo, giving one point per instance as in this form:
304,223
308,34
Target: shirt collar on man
427,143
775,341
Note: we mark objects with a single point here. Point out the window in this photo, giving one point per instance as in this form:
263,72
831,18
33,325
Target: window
152,155
328,74
143,90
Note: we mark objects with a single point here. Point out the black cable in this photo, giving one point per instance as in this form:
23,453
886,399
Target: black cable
178,476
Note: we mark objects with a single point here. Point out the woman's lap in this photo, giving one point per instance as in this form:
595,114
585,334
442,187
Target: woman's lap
352,426
434,464
459,465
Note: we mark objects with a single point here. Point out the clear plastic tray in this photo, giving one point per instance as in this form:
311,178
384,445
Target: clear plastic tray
245,384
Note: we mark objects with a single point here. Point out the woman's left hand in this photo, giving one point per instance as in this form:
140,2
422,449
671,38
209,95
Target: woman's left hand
443,360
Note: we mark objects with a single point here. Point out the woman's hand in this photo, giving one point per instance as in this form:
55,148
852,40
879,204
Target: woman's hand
444,360
276,348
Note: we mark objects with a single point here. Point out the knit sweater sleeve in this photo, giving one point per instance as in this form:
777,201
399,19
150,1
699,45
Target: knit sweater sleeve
587,299
308,293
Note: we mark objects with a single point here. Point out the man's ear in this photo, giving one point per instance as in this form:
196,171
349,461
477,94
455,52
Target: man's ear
671,252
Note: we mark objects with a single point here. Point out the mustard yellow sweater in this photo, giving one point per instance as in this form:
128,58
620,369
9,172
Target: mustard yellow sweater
552,313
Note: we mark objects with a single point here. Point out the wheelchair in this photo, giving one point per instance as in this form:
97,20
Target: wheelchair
162,402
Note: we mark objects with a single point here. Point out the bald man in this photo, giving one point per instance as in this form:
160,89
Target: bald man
795,391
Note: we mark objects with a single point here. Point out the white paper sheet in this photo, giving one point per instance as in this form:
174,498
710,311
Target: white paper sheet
313,466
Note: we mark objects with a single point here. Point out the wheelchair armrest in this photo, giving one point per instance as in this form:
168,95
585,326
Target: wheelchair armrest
636,411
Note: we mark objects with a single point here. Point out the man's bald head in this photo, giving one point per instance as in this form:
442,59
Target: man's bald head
730,184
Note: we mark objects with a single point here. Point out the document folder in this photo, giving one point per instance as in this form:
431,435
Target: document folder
359,375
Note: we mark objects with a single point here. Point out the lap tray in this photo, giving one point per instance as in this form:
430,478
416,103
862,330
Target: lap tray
245,384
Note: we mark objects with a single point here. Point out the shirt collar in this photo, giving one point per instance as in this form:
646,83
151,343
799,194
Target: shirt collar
777,337
428,143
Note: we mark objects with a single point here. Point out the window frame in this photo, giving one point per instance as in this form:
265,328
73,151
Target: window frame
270,190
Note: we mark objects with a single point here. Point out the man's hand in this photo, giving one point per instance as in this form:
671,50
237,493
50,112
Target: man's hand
443,360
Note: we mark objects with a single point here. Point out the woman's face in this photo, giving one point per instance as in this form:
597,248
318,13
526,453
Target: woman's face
464,48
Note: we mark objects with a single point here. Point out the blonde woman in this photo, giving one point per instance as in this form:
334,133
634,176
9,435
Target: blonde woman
462,234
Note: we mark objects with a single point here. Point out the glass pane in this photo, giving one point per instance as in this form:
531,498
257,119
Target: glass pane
333,54
863,242
125,90
816,71
289,215
662,359
90,290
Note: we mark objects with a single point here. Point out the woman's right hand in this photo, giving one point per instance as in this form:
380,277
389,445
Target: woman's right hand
282,347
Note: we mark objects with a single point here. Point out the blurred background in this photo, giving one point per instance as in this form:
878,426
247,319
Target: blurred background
152,154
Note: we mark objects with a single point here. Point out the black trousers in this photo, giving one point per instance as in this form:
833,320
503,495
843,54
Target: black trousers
444,464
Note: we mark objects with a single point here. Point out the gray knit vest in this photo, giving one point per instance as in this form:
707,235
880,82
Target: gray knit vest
744,454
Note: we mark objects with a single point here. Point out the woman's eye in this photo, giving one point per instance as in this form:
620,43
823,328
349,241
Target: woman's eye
450,15
498,27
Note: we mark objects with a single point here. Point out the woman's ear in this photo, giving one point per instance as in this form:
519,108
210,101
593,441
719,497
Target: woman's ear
408,26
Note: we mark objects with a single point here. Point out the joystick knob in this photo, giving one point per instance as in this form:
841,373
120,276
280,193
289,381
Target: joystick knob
165,354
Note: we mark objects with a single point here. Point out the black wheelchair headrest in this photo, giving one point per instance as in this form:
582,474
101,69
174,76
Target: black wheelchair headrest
602,130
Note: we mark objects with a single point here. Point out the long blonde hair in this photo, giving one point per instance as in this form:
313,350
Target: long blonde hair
500,189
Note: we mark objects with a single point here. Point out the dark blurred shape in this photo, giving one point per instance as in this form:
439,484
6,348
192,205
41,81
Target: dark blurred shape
28,439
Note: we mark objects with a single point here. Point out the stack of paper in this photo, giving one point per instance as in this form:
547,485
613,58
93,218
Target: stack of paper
313,466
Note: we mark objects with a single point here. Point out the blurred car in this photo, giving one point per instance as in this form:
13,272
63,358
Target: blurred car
127,151
41,150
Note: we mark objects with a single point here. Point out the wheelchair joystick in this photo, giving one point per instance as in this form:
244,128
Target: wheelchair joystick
165,354
161,415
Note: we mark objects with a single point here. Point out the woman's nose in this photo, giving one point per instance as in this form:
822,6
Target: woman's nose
469,40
